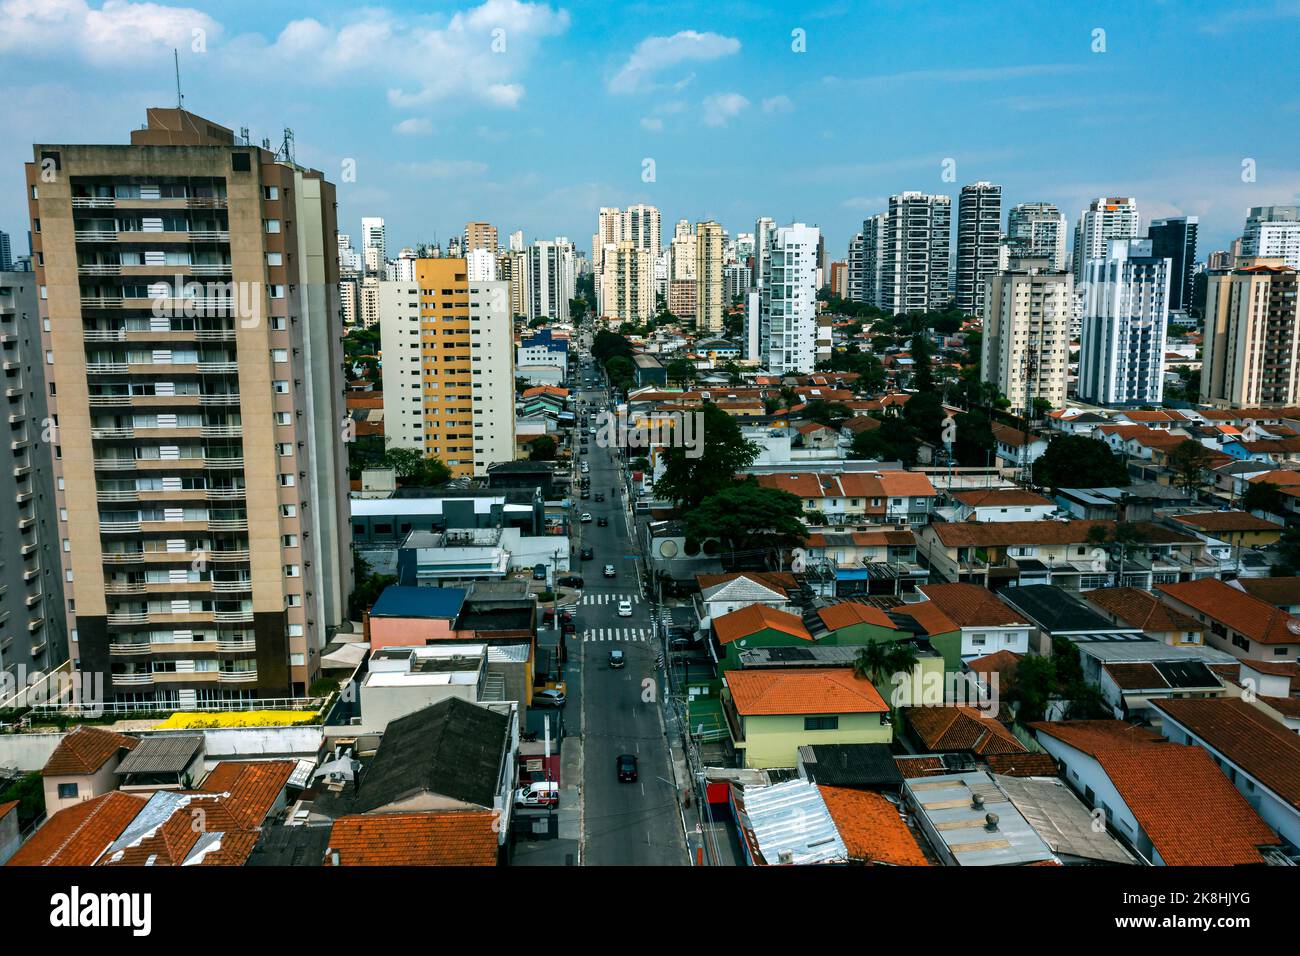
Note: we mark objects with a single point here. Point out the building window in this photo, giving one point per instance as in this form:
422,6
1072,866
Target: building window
67,791
272,226
821,723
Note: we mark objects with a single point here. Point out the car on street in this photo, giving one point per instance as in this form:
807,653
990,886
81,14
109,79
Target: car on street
627,768
586,517
571,581
616,659
602,522
548,615
539,572
586,493
677,631
540,793
599,498
624,608
609,571
586,554
550,697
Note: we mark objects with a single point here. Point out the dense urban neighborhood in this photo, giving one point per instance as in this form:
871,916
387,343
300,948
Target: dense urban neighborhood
971,539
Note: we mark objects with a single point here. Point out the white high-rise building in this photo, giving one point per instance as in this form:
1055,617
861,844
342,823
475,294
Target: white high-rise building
551,274
374,247
1026,348
873,266
979,230
762,231
517,241
1126,306
1273,232
787,316
349,259
627,283
681,254
915,268
640,227
481,264
1036,229
855,267
1104,219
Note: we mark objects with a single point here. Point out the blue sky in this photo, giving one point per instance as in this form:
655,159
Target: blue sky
443,127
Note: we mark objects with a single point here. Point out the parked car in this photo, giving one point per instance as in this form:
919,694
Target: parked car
676,631
586,517
548,615
627,768
617,659
610,571
549,697
624,608
680,643
539,572
586,554
602,522
571,581
540,793
586,493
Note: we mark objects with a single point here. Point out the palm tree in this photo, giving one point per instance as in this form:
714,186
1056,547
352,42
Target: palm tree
902,658
872,661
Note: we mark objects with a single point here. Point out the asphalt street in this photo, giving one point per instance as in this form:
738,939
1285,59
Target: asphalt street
624,824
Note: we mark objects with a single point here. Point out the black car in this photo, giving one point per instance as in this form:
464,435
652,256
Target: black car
539,572
676,631
586,554
600,497
572,581
627,768
602,522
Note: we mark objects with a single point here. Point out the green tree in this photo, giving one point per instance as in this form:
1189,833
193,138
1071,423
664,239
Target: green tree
1077,461
725,453
680,372
925,413
826,413
748,516
1190,463
541,448
415,470
1263,496
621,371
975,444
893,440
922,373
1288,553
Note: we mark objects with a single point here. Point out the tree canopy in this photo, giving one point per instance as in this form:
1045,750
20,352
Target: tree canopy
726,451
746,516
1077,461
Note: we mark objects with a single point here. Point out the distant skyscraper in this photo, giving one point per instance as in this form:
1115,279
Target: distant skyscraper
551,274
374,245
914,258
480,235
640,226
787,321
1026,347
979,230
481,264
1036,229
627,283
873,265
1104,219
709,292
854,270
1251,346
1121,357
517,241
762,228
1273,232
6,253
681,256
1175,239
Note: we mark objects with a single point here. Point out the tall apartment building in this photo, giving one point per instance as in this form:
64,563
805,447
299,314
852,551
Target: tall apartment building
33,615
979,231
915,244
787,318
709,302
517,241
1273,232
1026,347
873,250
1104,219
640,226
762,234
368,302
609,231
349,299
512,268
854,267
480,235
627,283
681,298
1251,347
481,264
681,254
449,373
374,246
190,290
1175,239
6,253
550,276
744,247
1126,307
1036,230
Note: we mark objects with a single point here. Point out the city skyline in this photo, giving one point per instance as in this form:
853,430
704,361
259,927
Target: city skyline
533,116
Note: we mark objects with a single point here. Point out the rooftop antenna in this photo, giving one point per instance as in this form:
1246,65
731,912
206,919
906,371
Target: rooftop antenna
176,60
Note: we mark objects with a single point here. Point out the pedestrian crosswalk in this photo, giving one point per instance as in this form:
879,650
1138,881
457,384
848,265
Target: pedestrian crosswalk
630,634
571,608
610,598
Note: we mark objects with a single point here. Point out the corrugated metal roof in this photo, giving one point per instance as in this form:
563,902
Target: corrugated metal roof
792,816
1061,819
162,754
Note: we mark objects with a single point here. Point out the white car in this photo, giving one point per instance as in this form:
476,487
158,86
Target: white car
586,517
624,608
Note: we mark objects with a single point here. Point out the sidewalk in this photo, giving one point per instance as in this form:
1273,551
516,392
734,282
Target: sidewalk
566,850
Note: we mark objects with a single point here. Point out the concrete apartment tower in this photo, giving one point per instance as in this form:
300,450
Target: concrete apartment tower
627,283
979,231
480,235
915,241
190,286
709,303
787,317
1104,219
1175,239
1026,349
449,374
33,616
1125,308
374,246
1036,230
1273,232
1251,347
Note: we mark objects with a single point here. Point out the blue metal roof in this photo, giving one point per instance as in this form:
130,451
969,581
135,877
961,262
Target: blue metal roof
397,601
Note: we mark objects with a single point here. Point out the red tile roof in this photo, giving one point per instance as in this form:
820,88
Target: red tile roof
926,765
1031,764
1001,662
871,827
6,807
251,788
1276,591
970,605
1227,521
78,835
84,750
848,613
1256,619
456,838
930,616
961,729
1141,609
766,692
748,621
1001,498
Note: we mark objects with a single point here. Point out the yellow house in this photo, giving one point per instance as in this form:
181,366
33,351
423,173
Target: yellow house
773,711
1240,529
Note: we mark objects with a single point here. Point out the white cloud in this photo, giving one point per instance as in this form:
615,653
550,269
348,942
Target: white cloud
117,33
656,53
652,123
415,126
988,74
723,107
778,104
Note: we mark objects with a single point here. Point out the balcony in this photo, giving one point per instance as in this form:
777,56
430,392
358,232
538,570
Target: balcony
119,527
117,495
95,235
236,647
221,431
126,618
132,648
227,586
220,398
93,202
125,432
129,587
132,680
218,368
104,335
206,202
121,557
101,301
233,617
211,269
228,556
225,494
237,677
212,335
106,401
99,269
228,524
107,368
115,464
218,463
209,235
